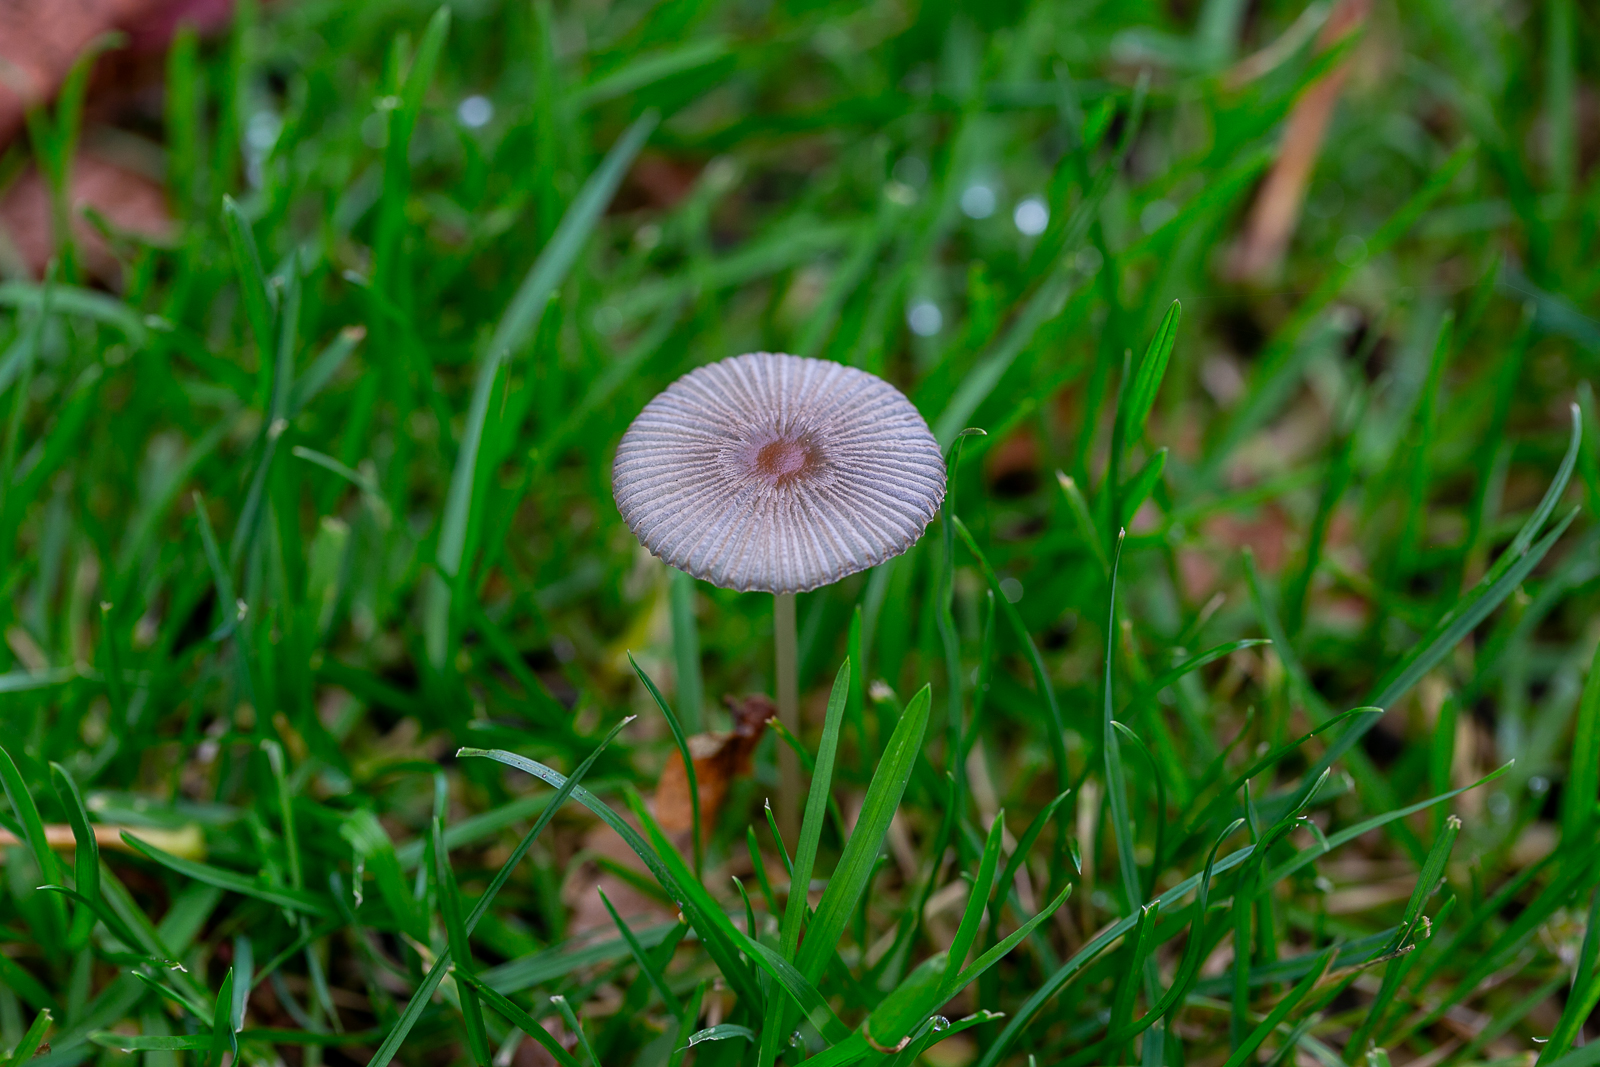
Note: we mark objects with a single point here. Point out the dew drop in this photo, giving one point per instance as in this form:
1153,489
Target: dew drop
940,1024
795,1040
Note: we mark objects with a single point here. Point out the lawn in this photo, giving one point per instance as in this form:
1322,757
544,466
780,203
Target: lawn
1239,706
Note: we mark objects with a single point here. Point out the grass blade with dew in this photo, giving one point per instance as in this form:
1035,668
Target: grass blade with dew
682,742
565,788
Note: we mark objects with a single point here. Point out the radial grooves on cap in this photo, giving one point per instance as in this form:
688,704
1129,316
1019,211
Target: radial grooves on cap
685,485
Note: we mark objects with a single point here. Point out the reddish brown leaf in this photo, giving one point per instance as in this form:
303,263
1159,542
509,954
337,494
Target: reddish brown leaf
719,758
130,202
1276,210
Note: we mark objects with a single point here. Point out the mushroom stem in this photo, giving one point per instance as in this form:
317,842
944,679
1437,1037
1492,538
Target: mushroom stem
788,713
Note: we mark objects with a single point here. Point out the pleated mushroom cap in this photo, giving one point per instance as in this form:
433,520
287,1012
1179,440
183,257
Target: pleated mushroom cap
773,472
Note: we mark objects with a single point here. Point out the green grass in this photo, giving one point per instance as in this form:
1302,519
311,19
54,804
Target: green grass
308,549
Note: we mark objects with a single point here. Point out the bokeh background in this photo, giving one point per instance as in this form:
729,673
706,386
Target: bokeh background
267,565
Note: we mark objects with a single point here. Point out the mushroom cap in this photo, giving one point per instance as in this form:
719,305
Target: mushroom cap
773,472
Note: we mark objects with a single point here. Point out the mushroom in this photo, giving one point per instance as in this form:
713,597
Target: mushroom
778,473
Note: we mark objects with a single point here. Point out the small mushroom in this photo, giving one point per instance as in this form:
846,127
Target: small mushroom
777,473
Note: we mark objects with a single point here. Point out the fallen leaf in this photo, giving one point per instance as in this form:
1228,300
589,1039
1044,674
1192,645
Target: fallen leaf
185,841
130,203
719,758
40,40
1276,211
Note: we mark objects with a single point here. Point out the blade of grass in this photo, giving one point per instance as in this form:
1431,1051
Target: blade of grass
298,900
688,893
805,856
1579,798
460,949
1280,1012
978,899
683,751
565,788
1152,368
323,369
1116,777
86,856
815,815
855,864
514,1015
259,305
1084,518
29,1045
55,913
1428,880
224,1040
1139,948
516,325
1489,591
1585,990
571,1019
1056,728
646,968
686,649
1052,985
715,925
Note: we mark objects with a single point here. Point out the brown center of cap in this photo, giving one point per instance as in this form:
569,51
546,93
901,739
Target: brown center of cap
784,459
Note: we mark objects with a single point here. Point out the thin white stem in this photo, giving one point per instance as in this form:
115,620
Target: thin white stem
788,713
